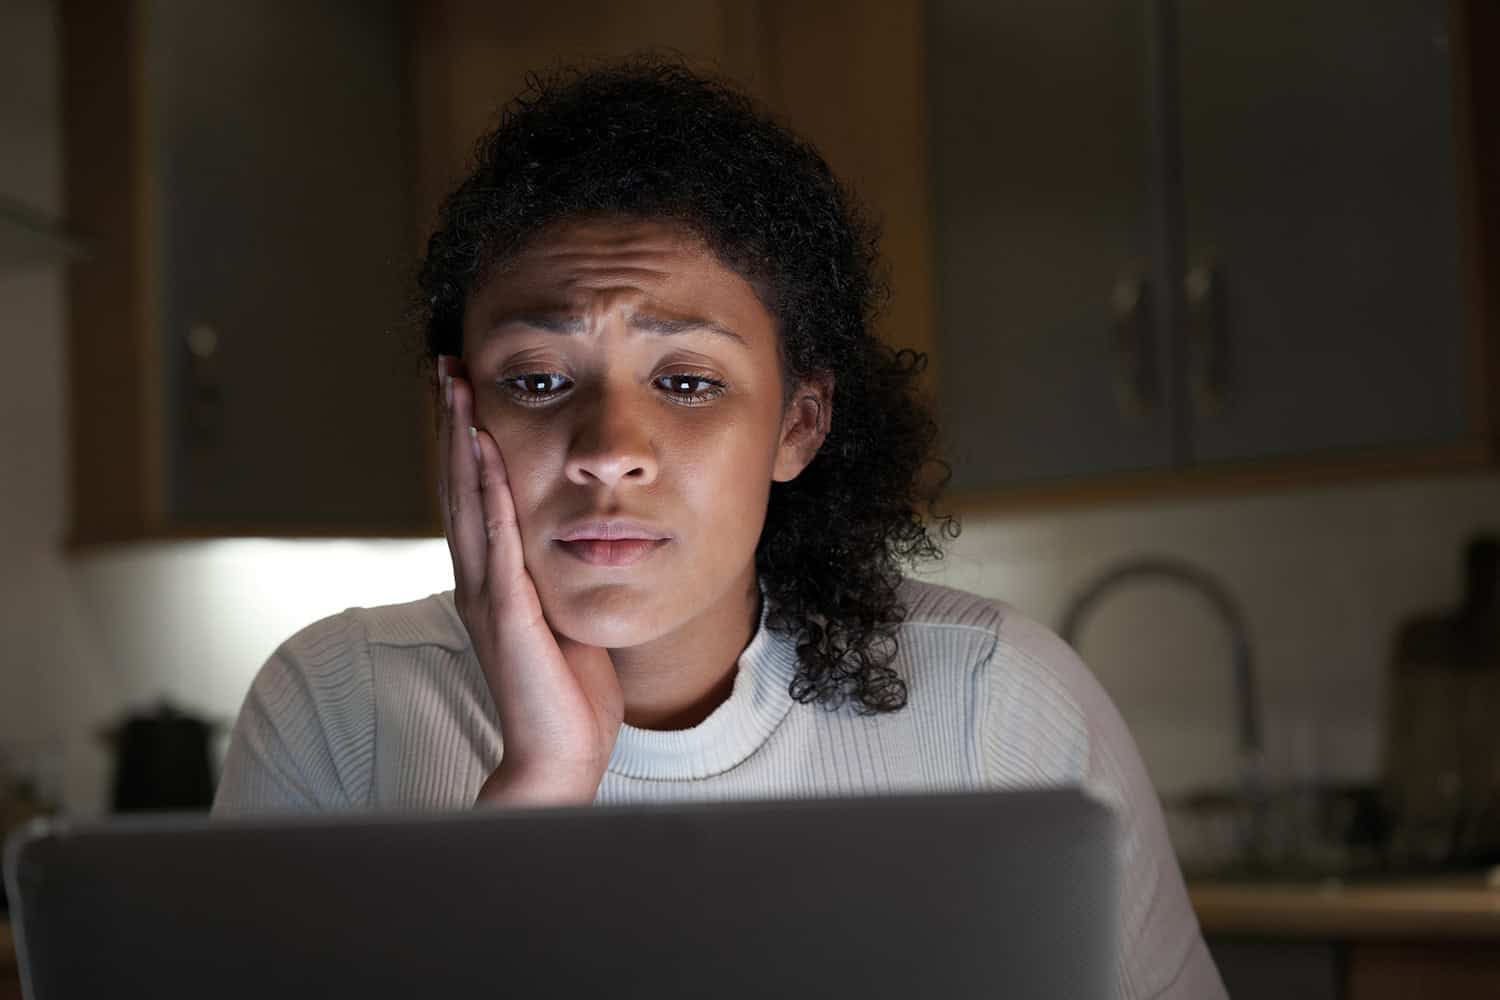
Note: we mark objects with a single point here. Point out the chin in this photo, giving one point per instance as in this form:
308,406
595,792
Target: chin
612,615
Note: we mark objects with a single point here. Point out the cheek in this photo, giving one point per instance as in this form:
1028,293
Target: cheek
724,470
533,464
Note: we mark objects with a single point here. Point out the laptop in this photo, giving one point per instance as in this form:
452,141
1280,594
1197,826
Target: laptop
952,895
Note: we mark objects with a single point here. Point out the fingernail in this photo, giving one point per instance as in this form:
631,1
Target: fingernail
474,441
448,391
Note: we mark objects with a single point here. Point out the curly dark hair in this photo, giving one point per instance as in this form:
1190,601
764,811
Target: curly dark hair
651,138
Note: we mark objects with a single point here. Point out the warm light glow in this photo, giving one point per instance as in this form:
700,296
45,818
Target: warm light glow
195,620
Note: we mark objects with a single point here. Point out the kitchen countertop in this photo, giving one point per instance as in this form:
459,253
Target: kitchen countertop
1446,909
1458,908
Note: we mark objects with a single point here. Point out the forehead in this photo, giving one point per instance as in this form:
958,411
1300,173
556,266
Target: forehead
593,266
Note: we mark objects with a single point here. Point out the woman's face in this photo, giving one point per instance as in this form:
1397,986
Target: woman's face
628,376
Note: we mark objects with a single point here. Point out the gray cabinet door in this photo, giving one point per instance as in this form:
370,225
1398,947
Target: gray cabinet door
1319,190
292,392
1041,165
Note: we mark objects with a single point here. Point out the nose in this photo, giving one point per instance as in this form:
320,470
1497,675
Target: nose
612,444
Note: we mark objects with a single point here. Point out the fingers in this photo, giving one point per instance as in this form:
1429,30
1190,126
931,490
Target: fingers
505,568
479,513
464,507
445,424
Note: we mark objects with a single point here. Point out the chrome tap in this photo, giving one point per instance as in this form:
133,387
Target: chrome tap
1247,707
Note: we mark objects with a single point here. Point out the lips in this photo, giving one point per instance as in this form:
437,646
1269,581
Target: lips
611,542
610,529
612,552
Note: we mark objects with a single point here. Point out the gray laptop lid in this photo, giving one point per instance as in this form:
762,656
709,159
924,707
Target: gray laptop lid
953,895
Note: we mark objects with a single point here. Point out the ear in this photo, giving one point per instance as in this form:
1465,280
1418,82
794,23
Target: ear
804,425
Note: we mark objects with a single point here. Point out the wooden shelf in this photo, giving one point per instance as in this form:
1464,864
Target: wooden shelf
1440,911
1227,480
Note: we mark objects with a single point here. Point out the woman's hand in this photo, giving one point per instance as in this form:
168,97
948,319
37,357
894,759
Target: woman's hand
559,701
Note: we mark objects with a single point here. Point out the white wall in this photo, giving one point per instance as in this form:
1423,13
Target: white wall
1323,576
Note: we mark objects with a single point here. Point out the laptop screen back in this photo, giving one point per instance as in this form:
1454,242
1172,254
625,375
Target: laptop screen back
952,895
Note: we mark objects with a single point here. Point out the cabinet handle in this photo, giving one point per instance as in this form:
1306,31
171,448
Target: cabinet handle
1208,338
1135,375
203,390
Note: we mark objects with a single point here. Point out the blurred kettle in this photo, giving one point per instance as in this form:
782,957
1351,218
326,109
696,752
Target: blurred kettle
1442,754
163,761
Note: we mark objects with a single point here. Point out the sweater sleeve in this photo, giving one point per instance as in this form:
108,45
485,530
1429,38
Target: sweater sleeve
304,738
1053,702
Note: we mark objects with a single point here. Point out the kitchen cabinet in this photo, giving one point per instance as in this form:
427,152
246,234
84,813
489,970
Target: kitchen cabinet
1274,969
1050,336
846,74
238,361
1417,937
256,184
1181,244
470,57
10,973
1151,246
1321,206
1270,969
1394,971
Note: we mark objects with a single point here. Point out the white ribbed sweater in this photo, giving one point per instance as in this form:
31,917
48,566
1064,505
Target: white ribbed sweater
387,707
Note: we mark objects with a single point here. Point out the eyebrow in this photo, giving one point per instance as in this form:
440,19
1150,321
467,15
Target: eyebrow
659,325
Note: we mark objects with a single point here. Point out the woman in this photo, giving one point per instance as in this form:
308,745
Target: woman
681,477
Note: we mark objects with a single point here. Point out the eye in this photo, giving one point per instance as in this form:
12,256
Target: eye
536,387
690,387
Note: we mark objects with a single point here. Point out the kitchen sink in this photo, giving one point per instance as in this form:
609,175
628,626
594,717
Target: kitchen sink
1308,835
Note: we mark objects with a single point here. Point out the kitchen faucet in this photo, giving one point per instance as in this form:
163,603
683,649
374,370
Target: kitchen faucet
1247,708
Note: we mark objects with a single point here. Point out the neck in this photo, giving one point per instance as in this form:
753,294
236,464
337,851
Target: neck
677,680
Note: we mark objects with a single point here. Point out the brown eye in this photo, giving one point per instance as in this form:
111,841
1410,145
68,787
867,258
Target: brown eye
690,388
537,386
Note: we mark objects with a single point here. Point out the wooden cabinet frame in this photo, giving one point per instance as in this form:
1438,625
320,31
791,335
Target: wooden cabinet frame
120,431
869,121
1476,87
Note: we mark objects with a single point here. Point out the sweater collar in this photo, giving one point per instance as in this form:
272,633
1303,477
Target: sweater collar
758,702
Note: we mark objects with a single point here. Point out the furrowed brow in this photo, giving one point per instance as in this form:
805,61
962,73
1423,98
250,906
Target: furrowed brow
550,322
665,327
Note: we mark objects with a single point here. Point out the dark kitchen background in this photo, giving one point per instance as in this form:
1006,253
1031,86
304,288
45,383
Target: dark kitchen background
1209,289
